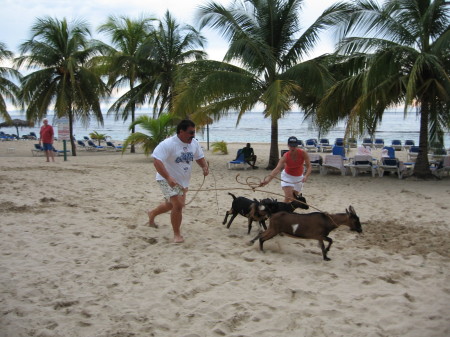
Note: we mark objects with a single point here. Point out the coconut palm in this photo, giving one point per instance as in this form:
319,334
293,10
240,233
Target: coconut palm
159,129
397,53
266,63
63,80
8,89
168,47
123,60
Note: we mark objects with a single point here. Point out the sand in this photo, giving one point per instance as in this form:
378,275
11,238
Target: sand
78,260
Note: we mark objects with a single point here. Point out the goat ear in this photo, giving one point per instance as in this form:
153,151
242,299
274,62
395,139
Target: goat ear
352,210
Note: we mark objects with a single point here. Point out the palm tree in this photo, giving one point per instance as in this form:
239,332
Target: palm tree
64,80
8,89
397,53
267,50
159,129
167,48
123,60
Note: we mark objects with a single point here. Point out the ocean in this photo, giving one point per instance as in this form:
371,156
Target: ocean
253,128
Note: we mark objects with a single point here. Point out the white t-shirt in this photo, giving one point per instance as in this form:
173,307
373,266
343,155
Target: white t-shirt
177,158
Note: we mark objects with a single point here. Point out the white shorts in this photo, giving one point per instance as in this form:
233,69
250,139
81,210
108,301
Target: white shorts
168,191
291,181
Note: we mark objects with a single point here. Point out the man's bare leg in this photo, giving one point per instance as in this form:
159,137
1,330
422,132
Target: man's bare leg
176,216
152,214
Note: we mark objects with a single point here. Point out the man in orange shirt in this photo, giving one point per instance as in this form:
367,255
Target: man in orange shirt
46,138
292,165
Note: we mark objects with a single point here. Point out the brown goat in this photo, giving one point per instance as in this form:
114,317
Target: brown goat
314,226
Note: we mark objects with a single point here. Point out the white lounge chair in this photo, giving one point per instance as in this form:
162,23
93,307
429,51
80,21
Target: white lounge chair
445,167
363,163
391,165
333,162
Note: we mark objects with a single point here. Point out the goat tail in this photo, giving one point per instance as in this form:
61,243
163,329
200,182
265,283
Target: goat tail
234,197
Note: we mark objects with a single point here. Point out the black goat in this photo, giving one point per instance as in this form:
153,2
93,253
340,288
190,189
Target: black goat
315,226
248,208
274,206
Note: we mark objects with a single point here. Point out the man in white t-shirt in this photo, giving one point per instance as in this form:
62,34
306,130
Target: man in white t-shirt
173,159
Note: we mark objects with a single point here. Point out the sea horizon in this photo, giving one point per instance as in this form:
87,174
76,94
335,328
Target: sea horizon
252,128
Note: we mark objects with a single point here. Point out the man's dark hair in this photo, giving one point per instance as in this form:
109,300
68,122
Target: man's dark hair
184,125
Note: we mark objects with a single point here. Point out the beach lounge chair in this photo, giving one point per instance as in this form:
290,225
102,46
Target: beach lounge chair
95,147
391,165
316,161
438,154
311,145
37,151
333,163
82,146
413,153
408,144
60,152
397,144
111,147
239,161
390,151
378,143
367,142
339,150
362,163
339,142
444,167
325,145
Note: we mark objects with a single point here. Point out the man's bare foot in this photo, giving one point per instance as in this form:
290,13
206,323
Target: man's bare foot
151,220
178,239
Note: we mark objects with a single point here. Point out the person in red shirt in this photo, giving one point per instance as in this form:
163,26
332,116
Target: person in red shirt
46,138
292,165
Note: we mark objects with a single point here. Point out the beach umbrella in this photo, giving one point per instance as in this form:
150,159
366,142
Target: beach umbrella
17,123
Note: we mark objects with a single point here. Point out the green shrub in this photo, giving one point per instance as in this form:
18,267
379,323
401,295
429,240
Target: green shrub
219,147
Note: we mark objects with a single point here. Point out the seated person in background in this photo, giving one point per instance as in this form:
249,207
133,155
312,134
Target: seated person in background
249,156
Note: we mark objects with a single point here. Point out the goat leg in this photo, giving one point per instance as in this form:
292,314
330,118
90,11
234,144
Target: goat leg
330,241
231,220
324,251
226,217
249,225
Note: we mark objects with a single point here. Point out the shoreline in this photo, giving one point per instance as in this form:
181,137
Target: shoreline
77,259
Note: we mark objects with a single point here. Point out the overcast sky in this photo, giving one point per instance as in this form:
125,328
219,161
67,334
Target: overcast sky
17,17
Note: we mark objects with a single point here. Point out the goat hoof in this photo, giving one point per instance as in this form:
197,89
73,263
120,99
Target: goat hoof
327,259
250,243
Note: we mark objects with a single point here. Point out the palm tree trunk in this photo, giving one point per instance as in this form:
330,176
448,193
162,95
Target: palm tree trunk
422,166
72,138
273,157
132,150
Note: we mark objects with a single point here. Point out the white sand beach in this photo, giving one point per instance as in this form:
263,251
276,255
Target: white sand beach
78,260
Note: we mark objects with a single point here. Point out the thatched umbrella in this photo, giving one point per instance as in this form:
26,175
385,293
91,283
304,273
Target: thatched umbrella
16,123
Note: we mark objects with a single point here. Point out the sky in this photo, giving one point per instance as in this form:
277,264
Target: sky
17,17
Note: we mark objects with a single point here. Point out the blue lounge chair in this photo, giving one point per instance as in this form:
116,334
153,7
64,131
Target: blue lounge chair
367,142
351,142
413,153
378,143
239,161
408,144
81,145
111,147
391,151
391,165
325,145
339,150
95,147
311,145
363,163
37,151
397,144
339,142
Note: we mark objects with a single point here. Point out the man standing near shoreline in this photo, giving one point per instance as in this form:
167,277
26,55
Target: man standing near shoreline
173,159
46,138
